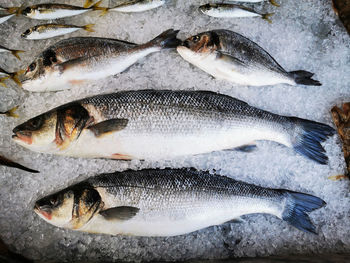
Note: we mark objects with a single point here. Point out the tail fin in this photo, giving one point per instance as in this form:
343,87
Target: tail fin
88,3
308,136
89,27
273,2
2,83
304,77
267,17
15,77
97,7
15,53
297,207
11,112
12,10
167,39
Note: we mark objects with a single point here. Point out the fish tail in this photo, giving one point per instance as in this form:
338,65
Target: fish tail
15,77
167,39
304,77
2,83
89,27
267,17
88,3
13,10
297,207
97,7
307,138
15,53
11,112
273,2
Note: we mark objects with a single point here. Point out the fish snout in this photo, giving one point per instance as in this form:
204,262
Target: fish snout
186,43
20,135
43,210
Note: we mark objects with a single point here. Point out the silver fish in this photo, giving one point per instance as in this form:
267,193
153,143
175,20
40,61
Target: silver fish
75,60
230,56
168,202
48,11
5,17
152,124
12,51
231,10
138,5
46,31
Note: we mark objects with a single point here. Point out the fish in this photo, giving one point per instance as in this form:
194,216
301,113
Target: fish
46,31
164,124
12,51
5,17
49,11
12,75
169,202
76,60
138,5
273,2
229,56
7,162
11,112
232,10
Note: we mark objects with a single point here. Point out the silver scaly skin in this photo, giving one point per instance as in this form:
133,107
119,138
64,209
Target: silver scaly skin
168,202
137,5
163,124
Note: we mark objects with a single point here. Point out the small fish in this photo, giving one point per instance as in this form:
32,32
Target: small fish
138,5
12,51
11,112
53,30
6,162
50,11
230,56
231,10
5,17
164,124
75,60
12,75
273,2
169,202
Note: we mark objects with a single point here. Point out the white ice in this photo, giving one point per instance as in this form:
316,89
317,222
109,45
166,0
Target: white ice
304,35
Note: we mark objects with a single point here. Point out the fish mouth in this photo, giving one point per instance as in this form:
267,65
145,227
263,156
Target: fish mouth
23,136
185,43
44,211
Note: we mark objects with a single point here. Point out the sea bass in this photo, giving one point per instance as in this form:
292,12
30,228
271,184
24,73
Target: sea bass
168,202
46,31
12,51
230,56
75,60
137,6
231,10
50,11
163,124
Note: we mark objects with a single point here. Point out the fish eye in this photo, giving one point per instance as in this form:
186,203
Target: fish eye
36,123
207,6
27,10
195,38
26,32
32,67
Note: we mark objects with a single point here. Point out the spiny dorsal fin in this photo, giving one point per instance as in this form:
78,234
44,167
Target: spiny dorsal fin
107,126
120,213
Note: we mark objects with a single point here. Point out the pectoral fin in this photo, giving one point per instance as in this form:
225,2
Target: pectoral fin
120,213
105,127
228,59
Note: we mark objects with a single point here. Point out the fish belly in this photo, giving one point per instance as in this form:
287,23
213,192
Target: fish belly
59,13
140,7
234,12
52,33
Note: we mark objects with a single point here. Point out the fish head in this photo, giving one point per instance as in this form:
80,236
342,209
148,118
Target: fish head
28,11
70,208
203,44
54,130
205,9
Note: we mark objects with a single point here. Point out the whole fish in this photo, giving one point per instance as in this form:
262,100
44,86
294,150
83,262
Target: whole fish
168,202
52,30
153,124
273,2
10,113
12,75
7,162
138,5
231,10
12,51
5,17
230,56
75,60
50,11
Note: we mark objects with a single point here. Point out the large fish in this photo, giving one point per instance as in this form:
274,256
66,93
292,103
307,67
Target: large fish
150,124
49,11
230,56
76,60
168,202
137,6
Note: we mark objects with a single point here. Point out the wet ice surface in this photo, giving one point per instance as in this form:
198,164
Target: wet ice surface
304,35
